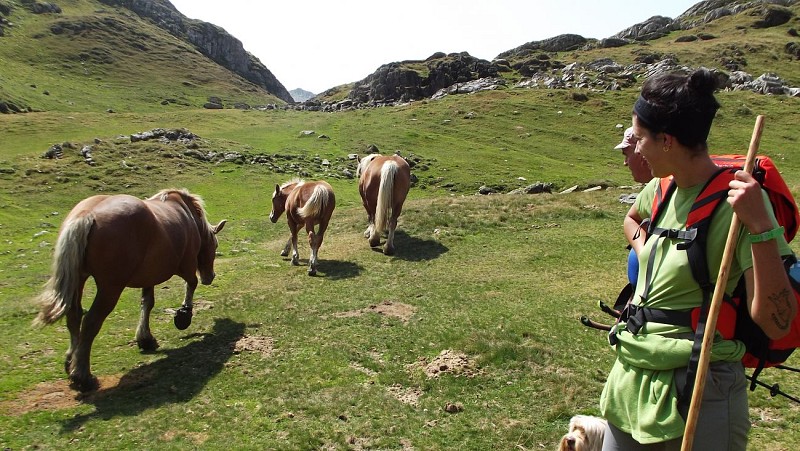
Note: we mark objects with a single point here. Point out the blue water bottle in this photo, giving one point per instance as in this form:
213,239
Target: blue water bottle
633,267
794,272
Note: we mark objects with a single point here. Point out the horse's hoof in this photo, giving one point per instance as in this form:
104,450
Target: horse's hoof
388,251
312,272
151,344
84,384
295,262
284,253
183,318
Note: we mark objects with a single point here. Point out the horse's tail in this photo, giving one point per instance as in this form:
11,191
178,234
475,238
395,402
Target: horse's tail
316,203
385,192
63,288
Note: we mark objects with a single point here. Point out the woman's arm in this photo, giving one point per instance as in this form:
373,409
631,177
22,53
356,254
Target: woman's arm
770,297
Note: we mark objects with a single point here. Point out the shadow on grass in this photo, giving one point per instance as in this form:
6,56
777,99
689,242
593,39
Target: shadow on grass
415,249
174,379
338,269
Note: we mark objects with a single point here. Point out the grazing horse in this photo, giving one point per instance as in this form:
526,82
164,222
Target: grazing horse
122,241
306,204
383,182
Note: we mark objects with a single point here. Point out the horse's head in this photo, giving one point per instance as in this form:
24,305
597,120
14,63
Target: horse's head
208,252
279,198
278,204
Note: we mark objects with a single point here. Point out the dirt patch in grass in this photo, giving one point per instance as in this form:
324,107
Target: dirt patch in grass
198,438
56,395
406,395
398,310
253,343
456,363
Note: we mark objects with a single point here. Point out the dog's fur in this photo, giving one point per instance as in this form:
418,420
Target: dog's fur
585,434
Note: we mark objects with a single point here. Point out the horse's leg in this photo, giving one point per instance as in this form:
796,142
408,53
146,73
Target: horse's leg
295,254
104,302
285,251
314,241
183,316
74,316
374,238
370,221
144,338
388,248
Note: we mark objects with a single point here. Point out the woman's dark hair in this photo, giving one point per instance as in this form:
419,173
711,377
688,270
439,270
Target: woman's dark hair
680,105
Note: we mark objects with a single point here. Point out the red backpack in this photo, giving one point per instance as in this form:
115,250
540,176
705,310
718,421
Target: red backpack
734,319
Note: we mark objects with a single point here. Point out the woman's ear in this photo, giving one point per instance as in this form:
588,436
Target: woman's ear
668,140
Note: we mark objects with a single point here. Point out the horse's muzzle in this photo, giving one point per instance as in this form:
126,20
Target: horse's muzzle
206,280
273,218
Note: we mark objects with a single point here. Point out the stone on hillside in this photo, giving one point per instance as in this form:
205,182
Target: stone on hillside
608,43
54,152
535,188
772,16
793,49
43,8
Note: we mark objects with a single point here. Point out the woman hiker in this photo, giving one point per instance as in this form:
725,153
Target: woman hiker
640,400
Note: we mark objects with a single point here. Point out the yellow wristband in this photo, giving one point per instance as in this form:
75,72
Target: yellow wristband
766,236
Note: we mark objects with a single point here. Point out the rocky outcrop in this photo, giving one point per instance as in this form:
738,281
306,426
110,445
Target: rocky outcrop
561,43
41,7
652,28
211,40
711,10
5,11
400,82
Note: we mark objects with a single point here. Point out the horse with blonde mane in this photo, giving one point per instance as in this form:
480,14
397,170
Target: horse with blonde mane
122,241
383,182
306,204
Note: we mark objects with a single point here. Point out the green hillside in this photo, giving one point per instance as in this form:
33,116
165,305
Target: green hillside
94,57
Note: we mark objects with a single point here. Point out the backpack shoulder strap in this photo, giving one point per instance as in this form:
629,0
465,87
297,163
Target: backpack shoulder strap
699,219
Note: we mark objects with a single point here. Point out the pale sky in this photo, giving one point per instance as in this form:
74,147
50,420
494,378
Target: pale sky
318,44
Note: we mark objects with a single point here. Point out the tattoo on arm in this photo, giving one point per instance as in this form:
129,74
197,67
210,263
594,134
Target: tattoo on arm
783,308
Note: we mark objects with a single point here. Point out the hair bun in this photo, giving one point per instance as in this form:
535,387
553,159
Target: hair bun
703,81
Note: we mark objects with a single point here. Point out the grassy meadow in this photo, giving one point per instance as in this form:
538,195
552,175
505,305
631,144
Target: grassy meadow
468,338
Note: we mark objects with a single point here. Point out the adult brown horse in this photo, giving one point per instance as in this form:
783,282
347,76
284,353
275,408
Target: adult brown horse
122,241
306,204
383,182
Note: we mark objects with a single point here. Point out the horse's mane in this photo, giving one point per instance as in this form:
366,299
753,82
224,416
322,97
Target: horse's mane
364,162
294,181
192,200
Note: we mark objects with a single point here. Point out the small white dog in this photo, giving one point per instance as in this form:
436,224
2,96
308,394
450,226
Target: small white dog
585,434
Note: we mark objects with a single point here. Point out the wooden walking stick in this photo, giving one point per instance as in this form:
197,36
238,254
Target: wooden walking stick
716,303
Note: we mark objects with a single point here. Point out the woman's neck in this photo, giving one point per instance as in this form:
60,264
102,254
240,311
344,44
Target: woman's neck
695,170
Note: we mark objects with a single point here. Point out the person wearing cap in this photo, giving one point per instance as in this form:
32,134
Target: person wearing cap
640,171
638,166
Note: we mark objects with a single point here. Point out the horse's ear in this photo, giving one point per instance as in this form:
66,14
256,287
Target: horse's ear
277,189
217,228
